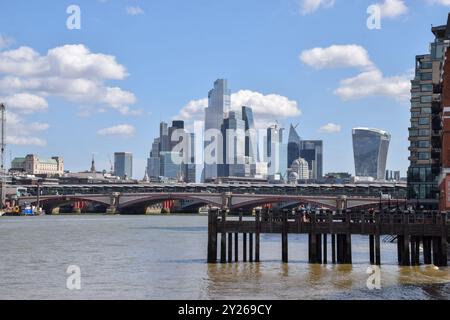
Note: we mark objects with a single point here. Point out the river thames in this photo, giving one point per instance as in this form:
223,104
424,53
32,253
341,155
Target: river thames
164,257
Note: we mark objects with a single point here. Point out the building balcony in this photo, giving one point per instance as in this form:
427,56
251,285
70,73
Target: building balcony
437,88
436,108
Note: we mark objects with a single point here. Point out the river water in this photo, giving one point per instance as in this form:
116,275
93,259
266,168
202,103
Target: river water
163,257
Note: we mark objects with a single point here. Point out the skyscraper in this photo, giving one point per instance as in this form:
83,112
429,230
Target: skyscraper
370,148
293,146
233,131
312,152
123,165
427,116
276,153
161,161
218,104
251,147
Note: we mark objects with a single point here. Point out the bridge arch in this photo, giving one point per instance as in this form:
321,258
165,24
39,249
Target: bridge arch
255,202
198,200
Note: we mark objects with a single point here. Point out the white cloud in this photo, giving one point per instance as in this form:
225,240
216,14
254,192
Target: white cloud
71,72
124,130
26,103
310,6
25,141
336,56
393,8
373,83
441,2
5,41
330,128
134,10
369,82
18,132
265,107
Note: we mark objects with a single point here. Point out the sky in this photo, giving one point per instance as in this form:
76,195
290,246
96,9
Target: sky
106,86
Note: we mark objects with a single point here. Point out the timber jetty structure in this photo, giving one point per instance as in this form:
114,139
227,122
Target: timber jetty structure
330,234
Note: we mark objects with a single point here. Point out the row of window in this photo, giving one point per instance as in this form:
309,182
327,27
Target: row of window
419,133
420,144
417,174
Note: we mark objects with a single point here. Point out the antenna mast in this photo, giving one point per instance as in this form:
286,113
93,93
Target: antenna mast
2,156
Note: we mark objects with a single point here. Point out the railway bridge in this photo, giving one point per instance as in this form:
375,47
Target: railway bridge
117,202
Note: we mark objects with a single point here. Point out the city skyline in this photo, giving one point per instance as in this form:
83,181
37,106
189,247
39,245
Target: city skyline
131,73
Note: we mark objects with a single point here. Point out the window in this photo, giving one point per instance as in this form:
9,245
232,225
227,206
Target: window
424,121
426,76
415,114
426,65
425,99
426,110
424,132
424,144
426,87
424,156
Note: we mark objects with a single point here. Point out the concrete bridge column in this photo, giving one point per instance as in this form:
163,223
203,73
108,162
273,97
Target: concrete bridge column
114,204
226,200
341,203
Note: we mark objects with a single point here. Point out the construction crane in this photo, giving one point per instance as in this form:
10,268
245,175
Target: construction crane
2,155
111,164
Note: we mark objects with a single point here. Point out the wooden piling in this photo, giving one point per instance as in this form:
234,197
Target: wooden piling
250,247
319,248
284,237
223,239
257,235
236,247
244,247
372,249
325,244
212,236
427,250
333,248
230,247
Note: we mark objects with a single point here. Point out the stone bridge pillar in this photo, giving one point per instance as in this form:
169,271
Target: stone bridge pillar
226,200
114,203
341,203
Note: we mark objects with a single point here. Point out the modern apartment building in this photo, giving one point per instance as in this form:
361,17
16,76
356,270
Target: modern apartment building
427,115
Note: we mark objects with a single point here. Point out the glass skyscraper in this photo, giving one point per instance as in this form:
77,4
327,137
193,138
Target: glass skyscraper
312,152
233,131
218,104
309,150
293,146
123,165
370,149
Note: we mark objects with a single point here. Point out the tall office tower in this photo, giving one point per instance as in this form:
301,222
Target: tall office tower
312,152
176,125
233,130
293,146
251,139
163,161
370,149
277,162
123,165
427,115
153,163
164,139
218,104
189,166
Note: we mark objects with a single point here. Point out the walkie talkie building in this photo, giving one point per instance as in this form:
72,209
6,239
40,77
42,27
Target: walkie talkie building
370,148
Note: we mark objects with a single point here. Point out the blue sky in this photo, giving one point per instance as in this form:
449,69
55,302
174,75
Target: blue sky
148,66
